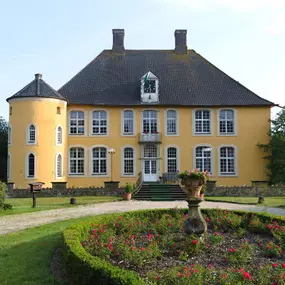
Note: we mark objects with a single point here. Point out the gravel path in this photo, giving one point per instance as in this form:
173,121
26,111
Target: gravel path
15,223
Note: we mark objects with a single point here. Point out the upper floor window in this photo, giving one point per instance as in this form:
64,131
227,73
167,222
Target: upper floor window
76,123
99,123
9,166
31,134
172,160
171,122
149,88
129,161
128,122
227,125
59,135
31,165
202,122
203,158
227,161
9,135
58,110
76,160
59,165
149,122
99,161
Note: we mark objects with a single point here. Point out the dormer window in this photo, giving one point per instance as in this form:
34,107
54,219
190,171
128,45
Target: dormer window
149,88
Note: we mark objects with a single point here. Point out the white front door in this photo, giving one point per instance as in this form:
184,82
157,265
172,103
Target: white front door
150,171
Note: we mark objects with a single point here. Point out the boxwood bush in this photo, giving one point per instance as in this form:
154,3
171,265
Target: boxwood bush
85,269
3,189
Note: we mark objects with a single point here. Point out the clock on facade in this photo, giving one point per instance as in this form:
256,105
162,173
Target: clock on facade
149,86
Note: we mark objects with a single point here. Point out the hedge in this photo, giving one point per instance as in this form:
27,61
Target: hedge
85,269
3,189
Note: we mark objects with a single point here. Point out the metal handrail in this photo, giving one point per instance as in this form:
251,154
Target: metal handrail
139,183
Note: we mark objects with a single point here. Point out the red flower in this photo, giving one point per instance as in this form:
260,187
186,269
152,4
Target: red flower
157,277
274,265
246,275
283,265
194,241
232,250
132,248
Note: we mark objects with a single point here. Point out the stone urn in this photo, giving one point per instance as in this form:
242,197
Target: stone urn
191,187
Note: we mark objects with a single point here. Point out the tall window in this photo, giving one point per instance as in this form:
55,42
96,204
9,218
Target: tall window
128,122
203,158
202,122
76,160
76,123
150,151
59,135
9,166
149,122
31,165
9,135
171,122
227,122
59,165
32,134
171,160
99,123
227,161
129,161
99,161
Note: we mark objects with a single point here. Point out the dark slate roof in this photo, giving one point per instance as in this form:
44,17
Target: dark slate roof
37,88
187,79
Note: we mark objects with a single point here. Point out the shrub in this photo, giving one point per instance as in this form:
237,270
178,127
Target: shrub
216,238
241,255
3,189
271,249
255,225
7,207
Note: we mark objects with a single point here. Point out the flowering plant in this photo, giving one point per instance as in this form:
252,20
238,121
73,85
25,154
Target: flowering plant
195,174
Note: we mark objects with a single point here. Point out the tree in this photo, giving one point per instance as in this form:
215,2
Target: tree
275,150
3,148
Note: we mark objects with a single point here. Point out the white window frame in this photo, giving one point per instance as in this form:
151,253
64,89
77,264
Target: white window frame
212,156
85,162
56,166
56,135
28,134
177,123
123,161
69,125
157,118
9,166
194,123
91,123
166,156
27,167
123,121
235,161
108,164
218,123
9,135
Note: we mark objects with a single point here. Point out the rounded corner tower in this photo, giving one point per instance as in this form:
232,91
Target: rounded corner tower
37,135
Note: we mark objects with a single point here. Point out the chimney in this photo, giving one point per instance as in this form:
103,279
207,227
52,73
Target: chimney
180,41
38,76
118,40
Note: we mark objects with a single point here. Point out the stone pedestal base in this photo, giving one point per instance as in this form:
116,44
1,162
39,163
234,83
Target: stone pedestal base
195,223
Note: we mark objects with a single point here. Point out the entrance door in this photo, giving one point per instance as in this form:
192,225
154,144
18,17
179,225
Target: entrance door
150,171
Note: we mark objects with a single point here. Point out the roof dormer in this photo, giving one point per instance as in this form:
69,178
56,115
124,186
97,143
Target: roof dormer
149,88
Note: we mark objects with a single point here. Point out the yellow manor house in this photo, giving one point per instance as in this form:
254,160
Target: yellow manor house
137,111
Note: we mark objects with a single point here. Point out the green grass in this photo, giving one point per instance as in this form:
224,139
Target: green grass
24,205
268,201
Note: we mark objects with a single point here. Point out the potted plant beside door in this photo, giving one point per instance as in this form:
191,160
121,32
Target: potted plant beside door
127,195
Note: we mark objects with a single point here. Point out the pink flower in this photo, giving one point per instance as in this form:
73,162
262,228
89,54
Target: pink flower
246,275
283,265
232,250
274,265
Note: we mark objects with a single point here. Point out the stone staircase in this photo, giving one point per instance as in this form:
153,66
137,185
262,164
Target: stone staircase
154,191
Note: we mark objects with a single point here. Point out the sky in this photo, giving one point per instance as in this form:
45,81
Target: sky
244,38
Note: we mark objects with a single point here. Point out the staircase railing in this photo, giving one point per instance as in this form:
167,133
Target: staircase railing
139,184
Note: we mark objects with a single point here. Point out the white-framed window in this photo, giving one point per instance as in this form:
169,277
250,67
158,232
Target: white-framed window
128,161
99,161
59,166
76,123
99,122
203,158
31,166
9,166
59,135
128,122
149,122
76,161
171,122
9,135
227,161
202,122
172,156
227,122
31,134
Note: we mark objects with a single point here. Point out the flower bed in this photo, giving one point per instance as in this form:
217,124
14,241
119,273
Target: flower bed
149,247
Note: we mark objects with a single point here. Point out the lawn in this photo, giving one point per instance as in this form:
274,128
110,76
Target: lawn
24,205
268,201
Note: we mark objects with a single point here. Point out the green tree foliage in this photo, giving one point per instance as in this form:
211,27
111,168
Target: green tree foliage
3,189
275,150
3,148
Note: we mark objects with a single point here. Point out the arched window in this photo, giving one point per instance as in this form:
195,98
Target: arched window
129,162
59,135
9,135
99,123
76,123
31,134
227,161
76,161
171,122
128,122
59,165
171,160
31,165
227,124
202,122
99,161
204,158
9,166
